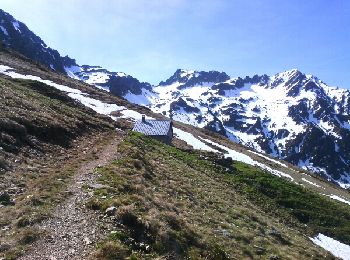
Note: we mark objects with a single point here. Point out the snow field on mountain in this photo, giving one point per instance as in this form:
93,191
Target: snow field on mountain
143,99
335,247
269,115
72,70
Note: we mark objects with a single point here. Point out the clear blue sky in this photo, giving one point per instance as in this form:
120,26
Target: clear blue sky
150,39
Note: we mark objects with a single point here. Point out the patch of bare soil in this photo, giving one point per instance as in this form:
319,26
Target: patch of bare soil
73,230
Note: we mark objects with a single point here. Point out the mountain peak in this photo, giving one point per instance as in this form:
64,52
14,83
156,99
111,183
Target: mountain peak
289,74
188,78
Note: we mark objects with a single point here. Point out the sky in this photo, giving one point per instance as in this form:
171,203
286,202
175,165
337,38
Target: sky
150,39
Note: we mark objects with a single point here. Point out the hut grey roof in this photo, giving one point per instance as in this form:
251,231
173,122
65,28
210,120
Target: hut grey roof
152,127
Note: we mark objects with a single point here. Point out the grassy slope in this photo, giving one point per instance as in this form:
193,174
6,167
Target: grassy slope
175,203
44,136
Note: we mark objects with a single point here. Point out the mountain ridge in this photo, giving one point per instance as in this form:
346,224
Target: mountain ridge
234,107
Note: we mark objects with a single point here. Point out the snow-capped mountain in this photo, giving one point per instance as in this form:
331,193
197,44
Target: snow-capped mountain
290,115
118,83
16,35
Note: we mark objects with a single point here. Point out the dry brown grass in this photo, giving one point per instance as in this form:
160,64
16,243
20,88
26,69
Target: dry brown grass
44,188
182,207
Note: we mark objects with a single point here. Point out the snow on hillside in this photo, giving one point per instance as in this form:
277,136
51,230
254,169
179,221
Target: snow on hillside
143,99
248,160
193,141
310,182
335,197
72,71
3,29
234,155
95,104
335,247
269,159
93,75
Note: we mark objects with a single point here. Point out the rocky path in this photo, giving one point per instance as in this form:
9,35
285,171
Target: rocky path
73,229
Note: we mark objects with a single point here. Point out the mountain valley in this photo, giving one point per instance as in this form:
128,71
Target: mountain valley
257,169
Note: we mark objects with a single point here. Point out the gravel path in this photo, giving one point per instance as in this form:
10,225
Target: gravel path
74,229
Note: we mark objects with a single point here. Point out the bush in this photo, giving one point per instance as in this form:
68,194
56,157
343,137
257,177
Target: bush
29,236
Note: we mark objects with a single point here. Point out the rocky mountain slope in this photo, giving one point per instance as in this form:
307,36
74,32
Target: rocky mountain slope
290,115
16,35
122,195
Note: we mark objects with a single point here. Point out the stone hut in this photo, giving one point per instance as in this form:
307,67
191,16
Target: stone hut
161,130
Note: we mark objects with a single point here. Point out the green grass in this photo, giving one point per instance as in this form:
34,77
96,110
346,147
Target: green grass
194,205
292,202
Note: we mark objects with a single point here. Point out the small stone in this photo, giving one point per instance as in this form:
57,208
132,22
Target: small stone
5,228
97,186
87,241
110,211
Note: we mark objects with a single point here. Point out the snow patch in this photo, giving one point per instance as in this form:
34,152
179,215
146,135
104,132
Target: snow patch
335,197
269,159
193,141
337,248
72,70
16,25
143,99
97,105
310,182
237,156
3,29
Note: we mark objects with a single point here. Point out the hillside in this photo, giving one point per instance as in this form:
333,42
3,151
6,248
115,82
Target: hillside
68,157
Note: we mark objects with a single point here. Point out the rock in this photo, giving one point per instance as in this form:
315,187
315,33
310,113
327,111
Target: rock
97,186
87,241
110,211
259,250
274,257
